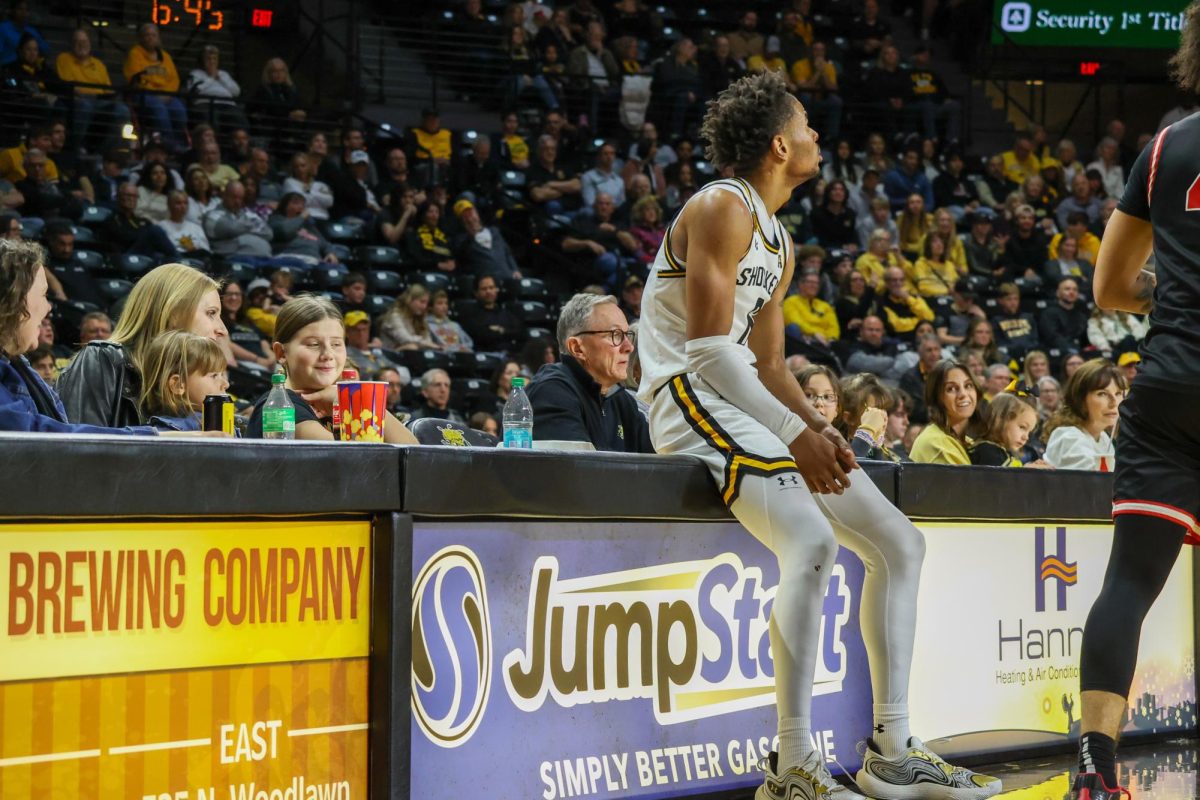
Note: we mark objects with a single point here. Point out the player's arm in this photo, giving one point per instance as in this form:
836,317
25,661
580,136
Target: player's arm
715,232
1120,282
767,342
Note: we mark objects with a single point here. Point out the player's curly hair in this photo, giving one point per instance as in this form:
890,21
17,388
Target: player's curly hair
1185,64
743,119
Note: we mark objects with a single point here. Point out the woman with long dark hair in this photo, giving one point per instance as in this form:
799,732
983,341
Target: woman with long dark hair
833,220
952,399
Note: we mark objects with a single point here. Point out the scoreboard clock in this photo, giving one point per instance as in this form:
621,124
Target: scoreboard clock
205,15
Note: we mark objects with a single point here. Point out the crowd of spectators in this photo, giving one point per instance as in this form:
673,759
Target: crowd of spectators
451,253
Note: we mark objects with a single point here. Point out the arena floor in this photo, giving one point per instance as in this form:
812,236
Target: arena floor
1159,771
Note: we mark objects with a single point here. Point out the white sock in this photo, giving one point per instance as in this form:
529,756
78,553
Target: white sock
795,742
891,732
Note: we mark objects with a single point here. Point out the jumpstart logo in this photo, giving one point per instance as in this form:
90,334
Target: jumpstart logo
451,646
690,637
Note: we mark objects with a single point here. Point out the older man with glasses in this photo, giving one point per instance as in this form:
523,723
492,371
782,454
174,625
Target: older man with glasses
581,398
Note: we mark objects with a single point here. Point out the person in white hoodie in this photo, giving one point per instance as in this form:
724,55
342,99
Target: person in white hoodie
212,89
318,197
1080,431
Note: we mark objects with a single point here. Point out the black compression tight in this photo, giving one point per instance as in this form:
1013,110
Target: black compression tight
1144,551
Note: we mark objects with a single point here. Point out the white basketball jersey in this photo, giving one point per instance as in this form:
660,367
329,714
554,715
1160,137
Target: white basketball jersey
662,330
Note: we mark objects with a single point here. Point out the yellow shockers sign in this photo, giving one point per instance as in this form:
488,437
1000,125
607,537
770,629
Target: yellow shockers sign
177,660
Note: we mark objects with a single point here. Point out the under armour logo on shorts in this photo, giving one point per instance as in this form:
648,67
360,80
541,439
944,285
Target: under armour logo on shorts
787,481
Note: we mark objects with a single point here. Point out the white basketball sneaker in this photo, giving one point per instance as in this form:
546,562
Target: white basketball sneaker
809,781
919,774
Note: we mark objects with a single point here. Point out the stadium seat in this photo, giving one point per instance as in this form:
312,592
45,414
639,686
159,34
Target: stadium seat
95,215
84,236
531,312
249,381
242,273
329,278
385,281
31,227
462,286
132,266
419,361
468,394
378,304
512,179
433,281
342,252
459,307
379,257
90,260
114,289
193,261
538,333
474,365
434,431
67,315
526,289
344,233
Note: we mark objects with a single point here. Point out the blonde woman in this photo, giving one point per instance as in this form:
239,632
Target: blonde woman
406,326
945,226
914,223
102,383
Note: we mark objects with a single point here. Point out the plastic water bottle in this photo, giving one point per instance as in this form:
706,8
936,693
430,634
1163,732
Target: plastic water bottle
279,415
518,417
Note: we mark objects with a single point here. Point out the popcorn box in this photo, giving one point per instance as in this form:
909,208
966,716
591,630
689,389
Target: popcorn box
363,406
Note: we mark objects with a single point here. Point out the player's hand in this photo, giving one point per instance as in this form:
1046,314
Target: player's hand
817,458
845,455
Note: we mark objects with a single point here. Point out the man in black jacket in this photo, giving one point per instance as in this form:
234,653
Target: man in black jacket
582,397
493,329
1064,324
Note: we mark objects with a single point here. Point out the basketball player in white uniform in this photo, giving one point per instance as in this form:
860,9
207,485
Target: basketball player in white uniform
711,348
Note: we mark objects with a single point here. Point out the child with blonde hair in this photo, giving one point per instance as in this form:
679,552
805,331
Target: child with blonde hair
180,369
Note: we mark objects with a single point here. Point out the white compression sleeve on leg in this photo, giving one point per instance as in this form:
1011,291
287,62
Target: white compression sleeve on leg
716,360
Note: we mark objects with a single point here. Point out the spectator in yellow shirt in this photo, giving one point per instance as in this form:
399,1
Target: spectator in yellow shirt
809,313
945,227
149,67
816,80
219,175
881,254
1020,162
12,160
934,274
1077,228
952,397
92,100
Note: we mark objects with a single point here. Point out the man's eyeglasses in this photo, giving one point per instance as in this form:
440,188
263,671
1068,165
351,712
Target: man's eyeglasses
616,337
826,399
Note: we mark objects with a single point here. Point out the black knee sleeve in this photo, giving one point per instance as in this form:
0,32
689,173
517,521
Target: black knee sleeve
1143,554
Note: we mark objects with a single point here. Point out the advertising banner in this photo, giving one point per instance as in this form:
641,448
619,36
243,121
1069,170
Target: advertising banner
1002,610
568,659
611,659
1071,23
180,660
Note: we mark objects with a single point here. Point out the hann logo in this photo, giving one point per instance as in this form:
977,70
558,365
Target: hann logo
451,646
1053,566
